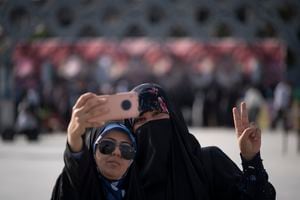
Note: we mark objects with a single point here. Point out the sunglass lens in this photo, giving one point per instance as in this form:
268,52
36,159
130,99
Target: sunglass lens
106,147
127,151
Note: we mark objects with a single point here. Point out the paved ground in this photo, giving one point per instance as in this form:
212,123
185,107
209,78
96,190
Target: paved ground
28,170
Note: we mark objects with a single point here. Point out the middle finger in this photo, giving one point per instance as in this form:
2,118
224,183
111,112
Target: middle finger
244,116
93,103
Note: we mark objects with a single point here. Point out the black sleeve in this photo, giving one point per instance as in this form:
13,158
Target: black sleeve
70,180
229,182
63,189
255,180
76,168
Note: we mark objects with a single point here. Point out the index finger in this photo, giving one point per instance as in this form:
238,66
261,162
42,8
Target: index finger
237,121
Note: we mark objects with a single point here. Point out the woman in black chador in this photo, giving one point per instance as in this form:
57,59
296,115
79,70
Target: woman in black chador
171,164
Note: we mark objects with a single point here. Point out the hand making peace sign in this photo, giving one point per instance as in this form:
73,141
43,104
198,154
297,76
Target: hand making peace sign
248,134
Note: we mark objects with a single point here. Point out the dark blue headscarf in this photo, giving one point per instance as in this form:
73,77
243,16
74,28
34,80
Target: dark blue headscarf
114,126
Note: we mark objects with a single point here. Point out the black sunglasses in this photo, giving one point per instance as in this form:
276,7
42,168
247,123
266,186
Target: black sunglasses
108,146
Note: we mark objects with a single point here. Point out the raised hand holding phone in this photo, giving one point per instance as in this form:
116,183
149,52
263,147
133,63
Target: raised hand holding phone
93,110
87,106
120,106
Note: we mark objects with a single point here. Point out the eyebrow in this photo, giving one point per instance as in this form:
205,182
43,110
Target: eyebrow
122,141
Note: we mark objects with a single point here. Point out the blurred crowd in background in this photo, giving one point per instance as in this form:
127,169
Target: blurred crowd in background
208,55
205,80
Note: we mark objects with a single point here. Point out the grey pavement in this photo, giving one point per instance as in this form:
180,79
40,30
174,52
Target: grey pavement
29,170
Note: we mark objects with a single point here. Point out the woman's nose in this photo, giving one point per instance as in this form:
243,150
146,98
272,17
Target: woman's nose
117,152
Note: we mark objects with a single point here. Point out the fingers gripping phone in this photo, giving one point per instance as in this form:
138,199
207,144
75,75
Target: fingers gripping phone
122,105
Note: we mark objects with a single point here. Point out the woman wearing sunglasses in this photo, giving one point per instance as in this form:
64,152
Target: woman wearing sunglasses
98,161
173,166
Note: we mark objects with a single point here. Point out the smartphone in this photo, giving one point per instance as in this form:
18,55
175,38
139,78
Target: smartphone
121,106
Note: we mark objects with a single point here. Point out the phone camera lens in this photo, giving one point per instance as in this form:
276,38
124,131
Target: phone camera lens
126,104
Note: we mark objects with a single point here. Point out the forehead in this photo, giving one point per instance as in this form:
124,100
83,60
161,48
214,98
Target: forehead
152,115
117,135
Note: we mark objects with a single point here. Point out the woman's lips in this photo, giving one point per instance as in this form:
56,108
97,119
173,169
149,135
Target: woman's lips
113,162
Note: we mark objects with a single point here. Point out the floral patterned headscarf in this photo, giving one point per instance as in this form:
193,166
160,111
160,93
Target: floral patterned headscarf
151,98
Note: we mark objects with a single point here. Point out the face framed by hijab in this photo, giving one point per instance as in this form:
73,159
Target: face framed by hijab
114,154
114,151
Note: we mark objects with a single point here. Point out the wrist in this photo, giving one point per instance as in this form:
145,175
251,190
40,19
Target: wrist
75,143
254,168
248,157
254,163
